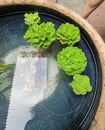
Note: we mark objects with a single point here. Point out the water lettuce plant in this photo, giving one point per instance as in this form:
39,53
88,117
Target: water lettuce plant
81,84
72,60
68,34
32,18
38,34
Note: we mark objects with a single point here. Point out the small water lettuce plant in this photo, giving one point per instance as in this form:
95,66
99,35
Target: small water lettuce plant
72,60
32,18
81,84
68,34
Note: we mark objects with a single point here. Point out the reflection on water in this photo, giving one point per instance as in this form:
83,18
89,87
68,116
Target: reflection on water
53,76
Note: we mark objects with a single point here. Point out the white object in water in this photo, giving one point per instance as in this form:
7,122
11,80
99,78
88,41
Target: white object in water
29,83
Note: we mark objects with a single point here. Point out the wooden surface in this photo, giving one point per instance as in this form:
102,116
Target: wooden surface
90,7
99,119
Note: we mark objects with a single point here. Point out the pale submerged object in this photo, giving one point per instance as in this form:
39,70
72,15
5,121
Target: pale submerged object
29,83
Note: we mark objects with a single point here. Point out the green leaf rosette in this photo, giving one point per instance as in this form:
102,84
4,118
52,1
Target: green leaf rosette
32,18
72,60
81,84
68,34
40,36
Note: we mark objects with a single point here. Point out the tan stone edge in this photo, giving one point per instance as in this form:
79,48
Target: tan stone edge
99,119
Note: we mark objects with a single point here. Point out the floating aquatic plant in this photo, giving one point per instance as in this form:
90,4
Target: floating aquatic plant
68,34
72,60
81,84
